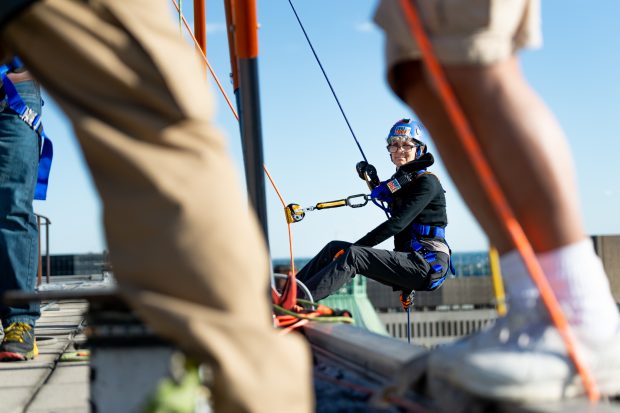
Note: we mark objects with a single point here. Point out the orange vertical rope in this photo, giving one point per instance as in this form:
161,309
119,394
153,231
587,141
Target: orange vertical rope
290,234
289,296
497,197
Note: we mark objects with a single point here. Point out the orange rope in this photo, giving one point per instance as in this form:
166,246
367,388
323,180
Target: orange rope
292,283
498,199
289,295
290,233
298,323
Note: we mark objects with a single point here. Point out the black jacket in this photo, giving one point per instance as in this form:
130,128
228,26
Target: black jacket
421,201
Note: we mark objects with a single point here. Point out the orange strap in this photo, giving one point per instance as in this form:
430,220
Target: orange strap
338,254
496,195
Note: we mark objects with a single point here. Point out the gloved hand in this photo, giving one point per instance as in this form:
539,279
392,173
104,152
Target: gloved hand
382,192
368,173
361,168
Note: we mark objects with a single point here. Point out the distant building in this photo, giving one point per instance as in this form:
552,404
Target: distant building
77,264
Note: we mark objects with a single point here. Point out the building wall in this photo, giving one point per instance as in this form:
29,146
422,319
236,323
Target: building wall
608,249
430,328
478,291
460,291
75,264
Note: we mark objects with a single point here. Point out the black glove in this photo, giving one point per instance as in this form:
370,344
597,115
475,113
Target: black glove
368,173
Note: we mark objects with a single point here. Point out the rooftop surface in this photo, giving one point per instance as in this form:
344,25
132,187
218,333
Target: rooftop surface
59,382
48,383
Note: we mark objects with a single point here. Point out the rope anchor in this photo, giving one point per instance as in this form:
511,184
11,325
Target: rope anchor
295,212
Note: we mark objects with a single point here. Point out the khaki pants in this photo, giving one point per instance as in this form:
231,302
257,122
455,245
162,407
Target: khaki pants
473,32
182,241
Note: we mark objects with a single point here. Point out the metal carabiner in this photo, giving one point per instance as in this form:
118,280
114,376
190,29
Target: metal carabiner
365,199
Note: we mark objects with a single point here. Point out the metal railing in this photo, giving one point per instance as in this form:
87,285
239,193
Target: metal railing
45,221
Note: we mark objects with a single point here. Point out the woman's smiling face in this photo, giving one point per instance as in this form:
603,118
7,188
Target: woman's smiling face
401,151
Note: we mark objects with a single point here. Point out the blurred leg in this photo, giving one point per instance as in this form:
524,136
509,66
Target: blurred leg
529,157
183,243
521,140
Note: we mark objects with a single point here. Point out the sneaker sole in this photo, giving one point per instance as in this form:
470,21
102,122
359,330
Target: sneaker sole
11,356
539,391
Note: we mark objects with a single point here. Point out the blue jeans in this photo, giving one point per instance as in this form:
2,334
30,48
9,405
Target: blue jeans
19,159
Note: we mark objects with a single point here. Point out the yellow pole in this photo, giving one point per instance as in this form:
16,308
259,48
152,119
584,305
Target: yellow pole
498,285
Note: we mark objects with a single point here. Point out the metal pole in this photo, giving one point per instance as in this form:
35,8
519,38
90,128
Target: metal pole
200,24
246,45
39,270
230,30
409,325
498,285
48,270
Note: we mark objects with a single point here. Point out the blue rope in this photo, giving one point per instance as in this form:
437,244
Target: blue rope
409,324
327,79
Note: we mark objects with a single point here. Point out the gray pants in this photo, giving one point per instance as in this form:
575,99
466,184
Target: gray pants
403,271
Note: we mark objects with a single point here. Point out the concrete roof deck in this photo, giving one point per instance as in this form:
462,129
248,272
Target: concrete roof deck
47,384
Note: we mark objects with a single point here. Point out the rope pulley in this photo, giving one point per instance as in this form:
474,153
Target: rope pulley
295,213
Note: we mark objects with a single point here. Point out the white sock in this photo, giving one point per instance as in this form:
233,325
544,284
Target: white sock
521,293
578,279
579,282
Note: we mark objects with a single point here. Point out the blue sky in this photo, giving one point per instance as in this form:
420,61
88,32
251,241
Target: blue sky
309,149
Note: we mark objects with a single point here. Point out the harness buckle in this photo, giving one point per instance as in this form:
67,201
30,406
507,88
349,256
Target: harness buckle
29,116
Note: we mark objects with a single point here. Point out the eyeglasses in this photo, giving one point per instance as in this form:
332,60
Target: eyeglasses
395,148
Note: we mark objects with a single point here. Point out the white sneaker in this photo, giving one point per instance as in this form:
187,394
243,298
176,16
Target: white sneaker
522,358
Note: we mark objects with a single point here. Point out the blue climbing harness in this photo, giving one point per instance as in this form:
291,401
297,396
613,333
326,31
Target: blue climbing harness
420,230
33,120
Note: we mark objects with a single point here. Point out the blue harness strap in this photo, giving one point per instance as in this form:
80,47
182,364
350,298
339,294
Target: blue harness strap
33,120
430,256
428,230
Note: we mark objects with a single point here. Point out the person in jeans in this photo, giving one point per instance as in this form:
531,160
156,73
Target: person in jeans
19,158
522,357
187,251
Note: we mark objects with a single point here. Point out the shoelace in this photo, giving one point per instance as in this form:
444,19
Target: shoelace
16,331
